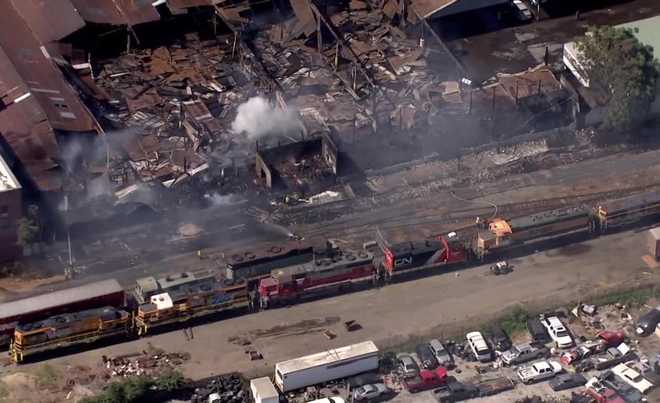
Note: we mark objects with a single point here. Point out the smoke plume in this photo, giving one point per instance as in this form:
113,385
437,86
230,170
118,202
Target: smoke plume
257,118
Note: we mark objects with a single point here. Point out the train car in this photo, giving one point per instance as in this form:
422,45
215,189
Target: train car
67,330
290,284
147,287
625,211
257,263
405,257
195,299
93,295
501,233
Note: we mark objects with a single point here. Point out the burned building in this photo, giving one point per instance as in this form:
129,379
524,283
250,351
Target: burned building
305,166
10,212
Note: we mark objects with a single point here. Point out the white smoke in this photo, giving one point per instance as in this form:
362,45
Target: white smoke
257,117
217,199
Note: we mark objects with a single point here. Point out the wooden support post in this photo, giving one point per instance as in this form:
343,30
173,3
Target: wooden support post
233,46
337,56
492,107
319,35
128,41
470,107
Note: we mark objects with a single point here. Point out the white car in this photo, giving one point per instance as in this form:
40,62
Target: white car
539,371
557,331
479,346
632,378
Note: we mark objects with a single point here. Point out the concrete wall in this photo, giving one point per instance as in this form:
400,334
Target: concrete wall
10,212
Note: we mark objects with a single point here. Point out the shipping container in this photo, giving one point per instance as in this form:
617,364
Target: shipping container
263,391
326,366
88,296
653,242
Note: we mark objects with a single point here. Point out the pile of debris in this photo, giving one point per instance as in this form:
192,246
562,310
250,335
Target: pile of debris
224,388
143,363
177,102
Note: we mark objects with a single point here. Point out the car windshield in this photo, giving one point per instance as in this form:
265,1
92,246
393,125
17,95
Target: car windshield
562,333
368,388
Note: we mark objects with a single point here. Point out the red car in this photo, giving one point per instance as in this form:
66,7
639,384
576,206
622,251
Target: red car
612,338
427,380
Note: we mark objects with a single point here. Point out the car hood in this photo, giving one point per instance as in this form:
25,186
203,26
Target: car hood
509,355
526,372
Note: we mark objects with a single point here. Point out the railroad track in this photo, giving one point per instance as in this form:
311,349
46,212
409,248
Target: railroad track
411,216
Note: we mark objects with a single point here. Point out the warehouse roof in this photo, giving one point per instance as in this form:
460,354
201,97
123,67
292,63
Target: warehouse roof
648,32
7,179
58,298
327,357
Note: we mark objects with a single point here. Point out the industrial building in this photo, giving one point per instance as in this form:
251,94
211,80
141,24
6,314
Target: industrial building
592,100
10,212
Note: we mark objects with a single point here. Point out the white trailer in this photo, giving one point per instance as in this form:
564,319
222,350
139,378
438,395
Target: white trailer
326,366
263,391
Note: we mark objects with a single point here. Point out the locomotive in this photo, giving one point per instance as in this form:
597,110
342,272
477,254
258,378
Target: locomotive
286,275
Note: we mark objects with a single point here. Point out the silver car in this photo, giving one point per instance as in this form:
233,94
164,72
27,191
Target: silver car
408,366
371,391
520,353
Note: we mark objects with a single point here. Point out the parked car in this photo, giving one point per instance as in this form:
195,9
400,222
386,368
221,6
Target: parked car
537,331
567,381
557,331
627,392
426,356
522,10
456,392
632,378
521,353
647,323
539,371
408,366
441,354
494,386
499,339
334,399
479,347
612,338
426,380
371,391
601,393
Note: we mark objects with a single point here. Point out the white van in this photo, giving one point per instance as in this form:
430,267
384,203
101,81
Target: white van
479,347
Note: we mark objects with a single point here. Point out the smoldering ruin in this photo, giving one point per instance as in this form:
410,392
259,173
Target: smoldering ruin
264,108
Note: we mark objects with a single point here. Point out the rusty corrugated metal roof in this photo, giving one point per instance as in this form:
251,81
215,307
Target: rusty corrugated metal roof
50,20
25,66
117,12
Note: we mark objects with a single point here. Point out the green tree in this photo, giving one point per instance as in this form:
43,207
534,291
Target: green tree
28,231
129,390
169,381
625,70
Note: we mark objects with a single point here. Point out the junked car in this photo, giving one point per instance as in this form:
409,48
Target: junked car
538,371
521,353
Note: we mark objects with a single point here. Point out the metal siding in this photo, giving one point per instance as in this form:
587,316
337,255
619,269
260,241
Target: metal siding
44,302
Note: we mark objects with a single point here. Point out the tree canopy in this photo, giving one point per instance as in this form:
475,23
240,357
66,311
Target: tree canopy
625,70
